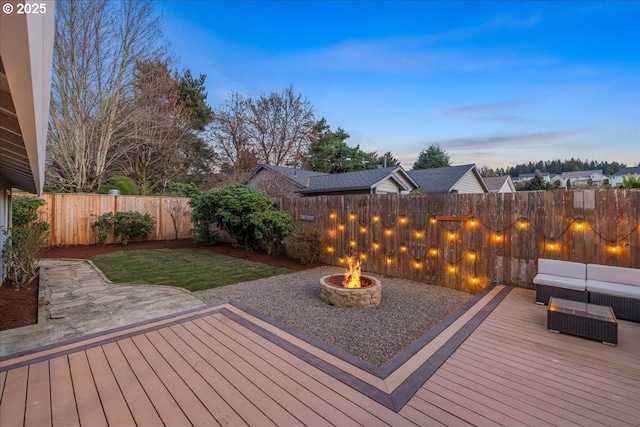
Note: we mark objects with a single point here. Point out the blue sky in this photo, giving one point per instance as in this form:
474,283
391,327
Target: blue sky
493,83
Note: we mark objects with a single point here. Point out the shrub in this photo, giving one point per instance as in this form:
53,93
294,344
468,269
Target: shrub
25,242
248,215
126,226
305,244
126,185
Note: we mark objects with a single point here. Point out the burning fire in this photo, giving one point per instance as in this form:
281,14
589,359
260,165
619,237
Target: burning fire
352,275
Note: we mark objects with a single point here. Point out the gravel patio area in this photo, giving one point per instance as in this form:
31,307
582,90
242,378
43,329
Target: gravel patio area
408,310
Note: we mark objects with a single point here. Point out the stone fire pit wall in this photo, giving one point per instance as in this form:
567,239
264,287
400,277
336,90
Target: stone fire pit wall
369,296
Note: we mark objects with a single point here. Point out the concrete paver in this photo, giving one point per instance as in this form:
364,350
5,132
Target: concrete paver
76,299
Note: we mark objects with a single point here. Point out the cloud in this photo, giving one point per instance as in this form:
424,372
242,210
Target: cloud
506,141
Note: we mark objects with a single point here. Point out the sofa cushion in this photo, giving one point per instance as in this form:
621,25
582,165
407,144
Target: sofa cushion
614,289
560,282
576,270
608,273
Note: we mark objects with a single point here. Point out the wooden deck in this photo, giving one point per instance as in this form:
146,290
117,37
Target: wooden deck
493,363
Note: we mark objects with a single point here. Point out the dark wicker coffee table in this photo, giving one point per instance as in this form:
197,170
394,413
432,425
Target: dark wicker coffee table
596,322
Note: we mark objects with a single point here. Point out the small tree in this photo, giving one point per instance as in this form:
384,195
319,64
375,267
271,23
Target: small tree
248,215
630,181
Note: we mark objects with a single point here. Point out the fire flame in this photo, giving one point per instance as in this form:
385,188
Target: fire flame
352,275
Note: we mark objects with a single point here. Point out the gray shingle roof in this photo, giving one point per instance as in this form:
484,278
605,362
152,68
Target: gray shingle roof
439,180
495,183
349,181
300,177
625,171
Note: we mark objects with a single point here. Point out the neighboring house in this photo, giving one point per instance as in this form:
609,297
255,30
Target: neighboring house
499,184
526,177
616,178
26,52
391,180
280,181
462,179
590,178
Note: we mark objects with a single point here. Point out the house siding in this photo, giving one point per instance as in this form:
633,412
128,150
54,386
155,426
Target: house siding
406,182
387,187
468,184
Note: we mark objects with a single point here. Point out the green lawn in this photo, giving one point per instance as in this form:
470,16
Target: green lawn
192,269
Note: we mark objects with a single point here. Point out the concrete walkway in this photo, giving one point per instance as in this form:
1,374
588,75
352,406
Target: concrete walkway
76,299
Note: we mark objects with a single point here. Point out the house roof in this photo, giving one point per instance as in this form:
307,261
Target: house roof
625,171
357,180
442,180
581,174
495,183
300,177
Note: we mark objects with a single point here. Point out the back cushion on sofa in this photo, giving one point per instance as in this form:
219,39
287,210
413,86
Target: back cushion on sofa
576,270
608,273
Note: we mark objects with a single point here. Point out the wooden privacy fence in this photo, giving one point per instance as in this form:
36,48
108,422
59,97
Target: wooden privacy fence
467,241
71,215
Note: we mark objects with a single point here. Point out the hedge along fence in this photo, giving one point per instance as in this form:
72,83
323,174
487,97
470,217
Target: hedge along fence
467,241
71,215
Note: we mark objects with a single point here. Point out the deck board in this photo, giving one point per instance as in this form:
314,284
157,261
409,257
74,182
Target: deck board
14,397
220,366
38,404
115,406
63,402
84,387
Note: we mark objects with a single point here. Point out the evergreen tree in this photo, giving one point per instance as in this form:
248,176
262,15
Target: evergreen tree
432,157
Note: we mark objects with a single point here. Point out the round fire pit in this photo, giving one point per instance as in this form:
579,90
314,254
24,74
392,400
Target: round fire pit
369,294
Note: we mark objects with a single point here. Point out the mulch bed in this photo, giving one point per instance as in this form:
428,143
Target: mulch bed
20,307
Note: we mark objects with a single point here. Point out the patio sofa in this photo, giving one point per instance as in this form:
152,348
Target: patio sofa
616,287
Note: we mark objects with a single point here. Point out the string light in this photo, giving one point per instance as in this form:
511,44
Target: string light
332,234
433,251
553,246
363,256
333,215
614,249
375,245
403,220
471,255
353,216
417,265
419,234
579,225
363,229
375,218
389,260
498,238
522,225
330,249
341,227
474,280
451,235
388,232
433,219
452,269
352,243
473,222
403,248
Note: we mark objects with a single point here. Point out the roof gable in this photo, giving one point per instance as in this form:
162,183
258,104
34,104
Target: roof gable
299,177
357,180
443,180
